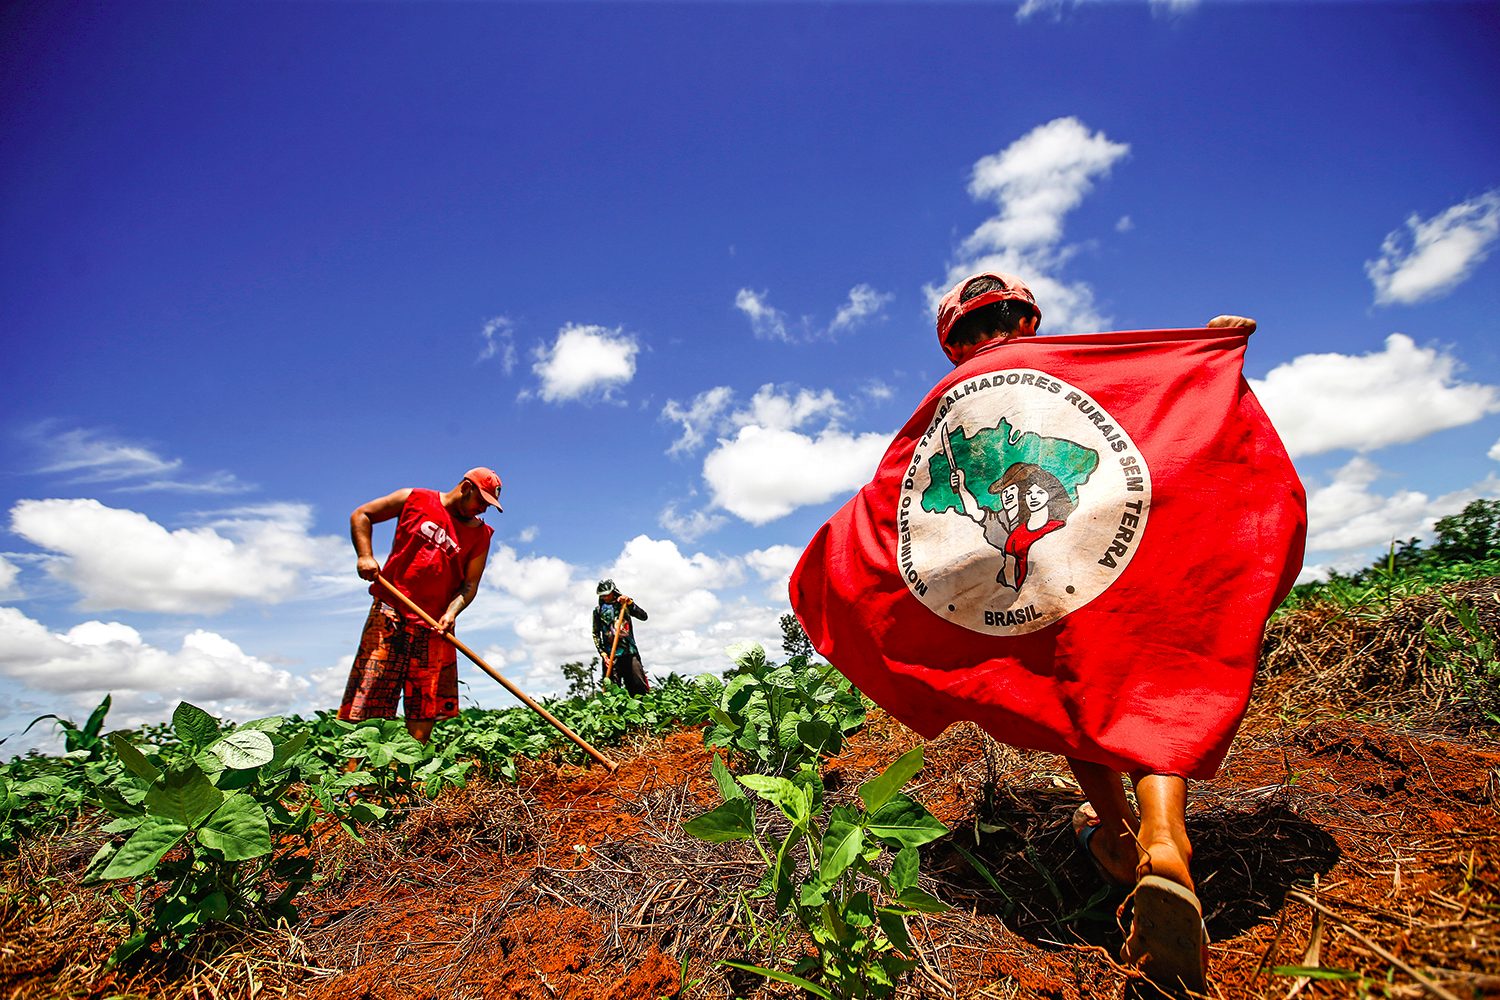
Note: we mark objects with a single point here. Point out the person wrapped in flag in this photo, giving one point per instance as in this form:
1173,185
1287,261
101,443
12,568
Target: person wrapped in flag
1146,520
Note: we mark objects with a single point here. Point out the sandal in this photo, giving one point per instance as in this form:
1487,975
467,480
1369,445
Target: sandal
1168,941
1085,825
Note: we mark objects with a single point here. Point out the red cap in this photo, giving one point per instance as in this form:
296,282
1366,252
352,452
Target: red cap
487,483
951,309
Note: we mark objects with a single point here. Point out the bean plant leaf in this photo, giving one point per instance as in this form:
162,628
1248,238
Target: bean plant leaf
841,843
244,749
814,893
904,869
894,926
194,726
728,790
238,829
860,911
183,795
135,762
213,908
95,869
795,803
733,820
902,821
786,732
145,848
923,902
290,748
814,734
878,790
781,977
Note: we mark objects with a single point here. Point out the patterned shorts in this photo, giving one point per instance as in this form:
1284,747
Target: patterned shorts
398,658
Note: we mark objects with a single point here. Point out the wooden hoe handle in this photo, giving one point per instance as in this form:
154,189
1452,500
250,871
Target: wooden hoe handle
521,695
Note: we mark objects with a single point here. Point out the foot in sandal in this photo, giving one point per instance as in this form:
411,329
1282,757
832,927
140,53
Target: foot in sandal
1167,940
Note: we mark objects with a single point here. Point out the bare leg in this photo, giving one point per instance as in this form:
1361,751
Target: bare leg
420,729
1115,843
1163,831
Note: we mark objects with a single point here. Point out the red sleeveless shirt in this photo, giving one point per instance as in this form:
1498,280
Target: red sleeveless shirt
429,553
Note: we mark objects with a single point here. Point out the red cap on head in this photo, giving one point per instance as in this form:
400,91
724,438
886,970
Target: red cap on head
487,483
952,308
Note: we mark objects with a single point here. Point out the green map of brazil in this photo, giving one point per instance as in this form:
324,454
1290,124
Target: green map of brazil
985,457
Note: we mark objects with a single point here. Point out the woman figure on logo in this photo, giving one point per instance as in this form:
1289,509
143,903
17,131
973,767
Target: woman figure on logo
1047,507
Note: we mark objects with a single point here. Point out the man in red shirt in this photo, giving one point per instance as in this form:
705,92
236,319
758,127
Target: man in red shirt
437,559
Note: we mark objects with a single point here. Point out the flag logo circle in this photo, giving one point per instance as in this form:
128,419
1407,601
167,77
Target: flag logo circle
1022,502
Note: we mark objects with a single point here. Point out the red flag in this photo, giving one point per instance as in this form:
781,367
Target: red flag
1124,522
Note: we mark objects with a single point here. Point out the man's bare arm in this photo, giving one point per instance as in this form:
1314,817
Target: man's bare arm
360,528
465,596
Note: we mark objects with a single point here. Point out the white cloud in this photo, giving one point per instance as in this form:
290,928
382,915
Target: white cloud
9,575
699,417
1054,9
763,473
1035,182
1436,254
1494,452
767,322
864,303
775,564
690,527
585,360
878,390
660,564
772,409
90,456
121,559
770,461
528,534
1347,517
710,412
1125,224
1323,402
499,342
95,658
1039,8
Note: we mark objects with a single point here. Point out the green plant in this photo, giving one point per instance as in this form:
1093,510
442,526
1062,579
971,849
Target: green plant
783,718
1470,654
862,948
39,793
210,841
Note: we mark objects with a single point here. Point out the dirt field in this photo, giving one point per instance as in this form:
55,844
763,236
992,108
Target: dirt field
1365,847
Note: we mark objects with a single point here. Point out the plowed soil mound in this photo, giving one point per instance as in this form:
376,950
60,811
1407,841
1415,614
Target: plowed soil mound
1360,847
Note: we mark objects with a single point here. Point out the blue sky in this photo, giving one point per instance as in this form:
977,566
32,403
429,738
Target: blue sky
669,269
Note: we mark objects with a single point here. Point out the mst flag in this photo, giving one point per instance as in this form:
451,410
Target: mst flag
1074,542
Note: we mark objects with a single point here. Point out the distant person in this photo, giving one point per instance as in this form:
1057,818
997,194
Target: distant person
613,632
437,558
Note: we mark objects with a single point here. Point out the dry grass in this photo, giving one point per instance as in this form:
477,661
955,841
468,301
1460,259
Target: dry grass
1383,661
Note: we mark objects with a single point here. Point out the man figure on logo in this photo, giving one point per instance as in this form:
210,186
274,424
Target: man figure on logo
612,632
437,559
1166,937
